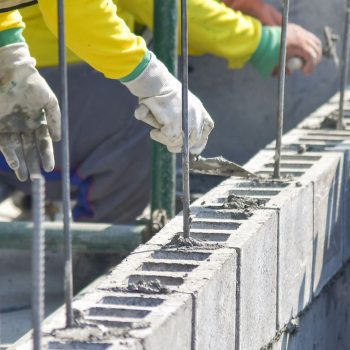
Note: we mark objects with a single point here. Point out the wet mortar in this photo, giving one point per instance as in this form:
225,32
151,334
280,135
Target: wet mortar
179,242
270,181
246,204
95,332
329,122
144,287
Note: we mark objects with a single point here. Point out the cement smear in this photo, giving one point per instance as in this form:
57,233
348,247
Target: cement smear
243,203
267,183
180,243
146,287
302,149
331,122
92,333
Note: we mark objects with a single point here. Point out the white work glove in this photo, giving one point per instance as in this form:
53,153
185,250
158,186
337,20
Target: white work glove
160,106
29,113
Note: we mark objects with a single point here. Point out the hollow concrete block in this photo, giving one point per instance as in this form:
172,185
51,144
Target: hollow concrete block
325,324
345,188
256,246
326,177
213,288
170,325
295,253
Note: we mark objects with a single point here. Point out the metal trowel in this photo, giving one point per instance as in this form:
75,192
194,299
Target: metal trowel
218,166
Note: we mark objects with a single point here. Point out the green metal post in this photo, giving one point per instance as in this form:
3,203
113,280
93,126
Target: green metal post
163,162
86,237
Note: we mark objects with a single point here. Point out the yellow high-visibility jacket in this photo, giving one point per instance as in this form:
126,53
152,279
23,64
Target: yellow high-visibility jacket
97,34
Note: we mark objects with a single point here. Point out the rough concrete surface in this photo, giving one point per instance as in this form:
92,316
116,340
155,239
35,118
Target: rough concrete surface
295,253
328,235
218,289
256,245
325,324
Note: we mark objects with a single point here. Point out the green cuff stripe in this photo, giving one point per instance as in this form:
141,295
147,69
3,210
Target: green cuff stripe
266,57
11,36
139,69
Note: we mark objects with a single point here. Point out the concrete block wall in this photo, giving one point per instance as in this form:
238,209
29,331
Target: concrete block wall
266,253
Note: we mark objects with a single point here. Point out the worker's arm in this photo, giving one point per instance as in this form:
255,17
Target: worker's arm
216,29
266,13
29,113
213,29
97,35
300,42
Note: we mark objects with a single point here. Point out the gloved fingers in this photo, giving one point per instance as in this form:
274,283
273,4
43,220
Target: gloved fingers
11,147
9,152
144,114
174,146
53,117
45,147
174,149
31,154
198,147
22,171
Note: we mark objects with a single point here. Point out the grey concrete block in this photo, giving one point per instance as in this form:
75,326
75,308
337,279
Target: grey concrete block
157,321
255,241
325,324
345,193
327,176
170,325
209,281
256,245
213,288
295,250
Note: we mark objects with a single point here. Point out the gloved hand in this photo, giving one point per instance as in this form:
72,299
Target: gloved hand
160,106
266,13
29,113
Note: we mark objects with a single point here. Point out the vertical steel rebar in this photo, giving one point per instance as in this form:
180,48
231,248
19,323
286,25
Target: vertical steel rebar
68,270
185,132
163,162
281,89
38,260
344,67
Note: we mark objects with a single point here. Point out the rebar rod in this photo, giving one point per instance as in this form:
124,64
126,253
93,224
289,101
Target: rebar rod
281,89
344,67
185,132
68,269
38,259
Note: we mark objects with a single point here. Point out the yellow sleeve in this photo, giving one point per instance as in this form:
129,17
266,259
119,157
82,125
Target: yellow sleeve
213,28
10,20
97,35
42,43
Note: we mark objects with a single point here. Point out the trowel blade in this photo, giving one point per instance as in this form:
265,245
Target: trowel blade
218,166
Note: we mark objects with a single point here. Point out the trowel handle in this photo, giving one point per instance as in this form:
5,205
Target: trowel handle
295,63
